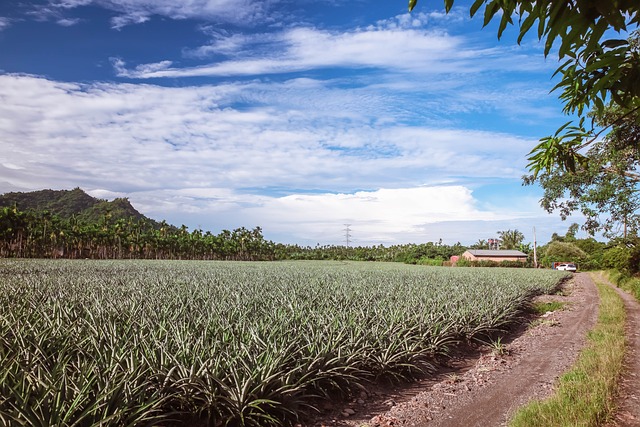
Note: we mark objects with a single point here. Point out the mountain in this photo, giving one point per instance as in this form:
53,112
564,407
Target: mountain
68,203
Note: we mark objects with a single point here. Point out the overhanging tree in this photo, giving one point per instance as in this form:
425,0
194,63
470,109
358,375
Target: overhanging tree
600,61
599,51
605,188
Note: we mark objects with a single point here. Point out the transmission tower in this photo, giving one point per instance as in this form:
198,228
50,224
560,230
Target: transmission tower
347,233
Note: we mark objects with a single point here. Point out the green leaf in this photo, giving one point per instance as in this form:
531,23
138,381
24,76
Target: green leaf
613,43
526,25
573,38
412,4
506,19
448,4
475,6
603,61
542,25
490,11
596,35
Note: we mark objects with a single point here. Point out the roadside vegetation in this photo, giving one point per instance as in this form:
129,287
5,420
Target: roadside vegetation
630,284
546,307
134,343
585,394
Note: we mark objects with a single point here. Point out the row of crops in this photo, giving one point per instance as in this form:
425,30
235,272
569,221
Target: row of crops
137,343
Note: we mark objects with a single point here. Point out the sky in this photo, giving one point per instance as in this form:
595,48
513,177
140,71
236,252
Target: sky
301,117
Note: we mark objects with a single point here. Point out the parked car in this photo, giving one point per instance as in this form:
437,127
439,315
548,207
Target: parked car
567,267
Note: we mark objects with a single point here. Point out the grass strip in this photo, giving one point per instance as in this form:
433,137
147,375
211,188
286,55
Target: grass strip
585,394
629,284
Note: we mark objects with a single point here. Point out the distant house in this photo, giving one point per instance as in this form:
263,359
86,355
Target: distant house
494,255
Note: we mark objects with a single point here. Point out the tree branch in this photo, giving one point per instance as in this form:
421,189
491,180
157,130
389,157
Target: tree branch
615,122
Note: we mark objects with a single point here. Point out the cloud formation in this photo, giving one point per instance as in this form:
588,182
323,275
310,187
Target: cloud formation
385,216
119,130
400,47
244,12
4,23
397,126
278,158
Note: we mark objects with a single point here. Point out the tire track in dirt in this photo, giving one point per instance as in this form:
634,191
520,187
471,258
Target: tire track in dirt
628,401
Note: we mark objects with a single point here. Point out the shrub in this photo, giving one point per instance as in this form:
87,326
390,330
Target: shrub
437,262
616,258
463,262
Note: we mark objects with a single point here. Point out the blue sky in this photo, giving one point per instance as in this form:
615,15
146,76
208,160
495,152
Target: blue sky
296,116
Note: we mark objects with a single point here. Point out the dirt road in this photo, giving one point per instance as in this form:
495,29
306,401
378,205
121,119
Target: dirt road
494,385
536,371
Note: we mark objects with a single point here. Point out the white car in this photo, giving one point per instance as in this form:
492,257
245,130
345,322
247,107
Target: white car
567,267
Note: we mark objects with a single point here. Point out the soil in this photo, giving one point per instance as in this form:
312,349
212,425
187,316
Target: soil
484,385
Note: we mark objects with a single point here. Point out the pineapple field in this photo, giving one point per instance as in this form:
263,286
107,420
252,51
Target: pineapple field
172,343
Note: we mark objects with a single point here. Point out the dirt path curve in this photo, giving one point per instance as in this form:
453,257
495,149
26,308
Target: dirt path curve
537,370
486,393
628,402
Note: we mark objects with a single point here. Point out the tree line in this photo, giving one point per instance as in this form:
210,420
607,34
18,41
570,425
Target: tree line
40,234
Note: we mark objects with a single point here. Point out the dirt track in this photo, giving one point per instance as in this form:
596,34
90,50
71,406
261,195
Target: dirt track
485,389
538,368
490,387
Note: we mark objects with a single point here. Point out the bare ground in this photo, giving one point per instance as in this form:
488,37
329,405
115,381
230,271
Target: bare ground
484,387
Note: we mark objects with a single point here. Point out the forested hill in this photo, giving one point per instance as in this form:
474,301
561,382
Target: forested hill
72,203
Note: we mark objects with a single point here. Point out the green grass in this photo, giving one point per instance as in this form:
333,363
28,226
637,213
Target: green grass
546,307
585,394
629,284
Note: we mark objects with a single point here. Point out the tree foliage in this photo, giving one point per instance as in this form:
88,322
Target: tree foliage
564,251
42,234
511,239
599,55
72,203
605,189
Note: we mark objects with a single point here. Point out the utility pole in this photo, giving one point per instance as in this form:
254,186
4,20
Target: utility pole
347,233
535,256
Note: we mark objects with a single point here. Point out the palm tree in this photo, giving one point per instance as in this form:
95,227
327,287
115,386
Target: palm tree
480,244
511,239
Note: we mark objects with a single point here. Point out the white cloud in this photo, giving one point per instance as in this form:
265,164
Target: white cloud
414,50
120,66
70,4
147,136
378,215
4,23
135,17
67,22
11,166
243,12
231,45
199,152
384,216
